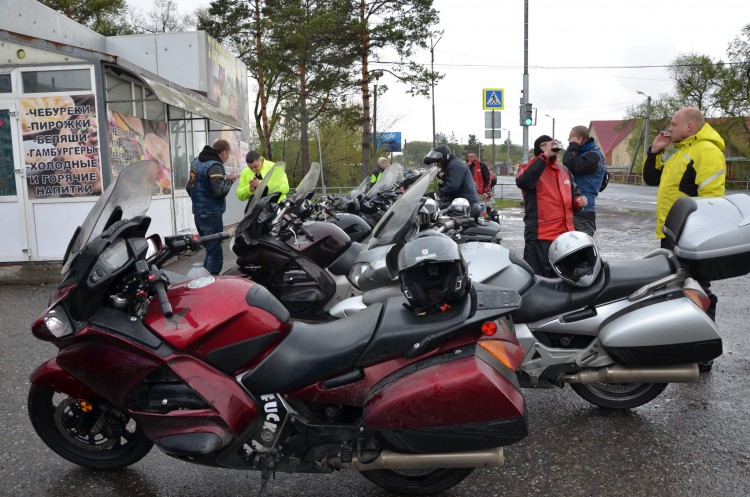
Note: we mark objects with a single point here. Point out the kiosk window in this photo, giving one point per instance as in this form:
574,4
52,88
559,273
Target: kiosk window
56,80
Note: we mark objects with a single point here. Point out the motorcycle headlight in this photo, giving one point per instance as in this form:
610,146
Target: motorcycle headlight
54,324
357,271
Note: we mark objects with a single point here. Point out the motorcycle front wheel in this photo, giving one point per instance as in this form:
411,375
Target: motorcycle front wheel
417,482
619,395
93,434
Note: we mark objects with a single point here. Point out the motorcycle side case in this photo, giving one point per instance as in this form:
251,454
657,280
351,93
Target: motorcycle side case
666,333
443,407
713,235
231,323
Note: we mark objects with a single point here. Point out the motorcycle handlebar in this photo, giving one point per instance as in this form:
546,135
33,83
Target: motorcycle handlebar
159,284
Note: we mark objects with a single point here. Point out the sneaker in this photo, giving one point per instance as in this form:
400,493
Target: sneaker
705,367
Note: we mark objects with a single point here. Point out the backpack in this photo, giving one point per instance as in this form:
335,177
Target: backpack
493,179
605,181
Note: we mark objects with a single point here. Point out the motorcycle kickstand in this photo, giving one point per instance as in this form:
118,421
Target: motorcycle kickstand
267,471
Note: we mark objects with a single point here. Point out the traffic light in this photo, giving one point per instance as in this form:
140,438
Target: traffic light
528,115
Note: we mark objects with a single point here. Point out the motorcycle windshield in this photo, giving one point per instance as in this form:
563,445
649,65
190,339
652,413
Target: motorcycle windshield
309,182
128,196
386,181
396,222
354,194
251,211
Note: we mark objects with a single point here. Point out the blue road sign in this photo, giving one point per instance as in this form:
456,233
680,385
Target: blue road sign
493,98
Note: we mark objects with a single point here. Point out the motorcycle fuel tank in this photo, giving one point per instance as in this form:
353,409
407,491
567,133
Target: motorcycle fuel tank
493,264
327,243
229,322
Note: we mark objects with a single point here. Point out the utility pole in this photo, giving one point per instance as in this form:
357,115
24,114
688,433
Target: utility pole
525,76
503,129
553,124
432,82
375,124
646,144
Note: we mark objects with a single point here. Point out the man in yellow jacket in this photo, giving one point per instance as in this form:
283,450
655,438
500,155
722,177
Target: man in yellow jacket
697,168
256,170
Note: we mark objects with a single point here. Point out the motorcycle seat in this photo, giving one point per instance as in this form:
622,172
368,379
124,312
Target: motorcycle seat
625,277
551,296
313,352
400,328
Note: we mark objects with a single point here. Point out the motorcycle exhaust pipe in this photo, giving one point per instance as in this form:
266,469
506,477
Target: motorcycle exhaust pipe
684,373
490,458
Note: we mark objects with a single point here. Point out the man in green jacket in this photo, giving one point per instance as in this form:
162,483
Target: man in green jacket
697,168
256,170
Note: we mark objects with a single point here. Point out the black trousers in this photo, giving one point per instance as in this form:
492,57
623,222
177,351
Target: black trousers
536,253
585,221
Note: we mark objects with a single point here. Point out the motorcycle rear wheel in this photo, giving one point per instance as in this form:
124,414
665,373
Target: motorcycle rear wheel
619,395
94,434
417,482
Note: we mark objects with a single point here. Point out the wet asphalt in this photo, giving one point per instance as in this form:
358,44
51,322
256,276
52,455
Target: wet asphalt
693,440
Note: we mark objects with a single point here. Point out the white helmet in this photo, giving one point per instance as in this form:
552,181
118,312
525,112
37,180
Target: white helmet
575,258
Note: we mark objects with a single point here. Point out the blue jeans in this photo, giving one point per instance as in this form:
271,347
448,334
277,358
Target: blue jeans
208,224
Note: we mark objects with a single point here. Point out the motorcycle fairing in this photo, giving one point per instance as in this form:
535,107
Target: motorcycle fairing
49,374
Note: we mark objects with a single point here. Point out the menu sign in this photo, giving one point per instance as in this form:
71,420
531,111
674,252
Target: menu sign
61,146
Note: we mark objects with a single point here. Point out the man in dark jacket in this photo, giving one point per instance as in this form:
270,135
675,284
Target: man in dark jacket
550,198
456,177
585,162
208,186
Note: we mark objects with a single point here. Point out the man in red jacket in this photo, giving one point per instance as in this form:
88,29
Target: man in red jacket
481,174
550,198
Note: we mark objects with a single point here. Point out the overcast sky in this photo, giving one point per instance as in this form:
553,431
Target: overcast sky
581,60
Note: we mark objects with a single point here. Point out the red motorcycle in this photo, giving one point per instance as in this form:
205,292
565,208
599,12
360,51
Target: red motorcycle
213,371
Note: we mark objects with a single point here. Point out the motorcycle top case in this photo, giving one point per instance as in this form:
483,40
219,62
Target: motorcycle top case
712,235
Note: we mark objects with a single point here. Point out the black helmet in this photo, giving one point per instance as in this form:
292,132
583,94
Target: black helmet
441,154
432,272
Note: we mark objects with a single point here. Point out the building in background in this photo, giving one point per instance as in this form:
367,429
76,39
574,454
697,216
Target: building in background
77,107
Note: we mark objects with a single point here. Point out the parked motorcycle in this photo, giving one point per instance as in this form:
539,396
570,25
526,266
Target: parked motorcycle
302,263
639,325
214,372
371,202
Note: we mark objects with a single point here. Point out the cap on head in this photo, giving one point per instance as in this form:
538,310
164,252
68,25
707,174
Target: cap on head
538,142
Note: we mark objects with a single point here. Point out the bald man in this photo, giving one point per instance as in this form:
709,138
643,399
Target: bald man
696,169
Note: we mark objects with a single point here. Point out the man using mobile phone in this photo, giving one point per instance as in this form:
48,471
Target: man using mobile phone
696,169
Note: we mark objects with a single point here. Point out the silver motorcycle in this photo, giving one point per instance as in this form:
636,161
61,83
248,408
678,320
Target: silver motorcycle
638,326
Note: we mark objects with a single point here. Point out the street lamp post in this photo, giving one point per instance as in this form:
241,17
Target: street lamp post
553,124
432,82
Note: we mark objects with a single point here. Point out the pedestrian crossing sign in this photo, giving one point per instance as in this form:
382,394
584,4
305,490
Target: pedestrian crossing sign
493,99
